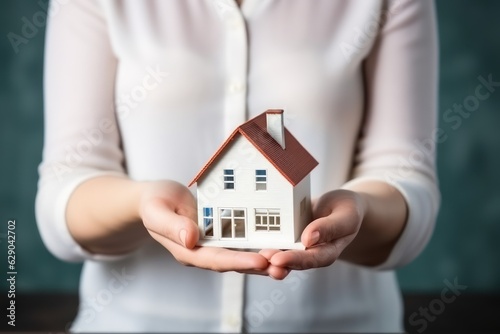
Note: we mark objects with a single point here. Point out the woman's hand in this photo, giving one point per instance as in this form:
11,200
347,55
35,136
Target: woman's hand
168,211
337,218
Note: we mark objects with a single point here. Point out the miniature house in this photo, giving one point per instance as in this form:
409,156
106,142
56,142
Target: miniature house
255,190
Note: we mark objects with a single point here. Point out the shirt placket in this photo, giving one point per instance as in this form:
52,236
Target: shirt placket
236,72
235,63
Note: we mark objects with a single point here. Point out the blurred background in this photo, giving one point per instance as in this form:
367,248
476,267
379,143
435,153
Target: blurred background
464,250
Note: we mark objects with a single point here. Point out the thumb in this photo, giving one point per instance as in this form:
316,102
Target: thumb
328,229
176,224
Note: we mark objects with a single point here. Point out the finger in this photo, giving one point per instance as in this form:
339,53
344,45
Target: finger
254,272
268,253
276,273
316,257
214,258
187,211
332,201
337,225
160,217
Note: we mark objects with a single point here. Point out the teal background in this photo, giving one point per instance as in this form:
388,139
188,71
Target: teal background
465,244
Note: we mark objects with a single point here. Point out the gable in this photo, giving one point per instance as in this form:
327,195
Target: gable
293,162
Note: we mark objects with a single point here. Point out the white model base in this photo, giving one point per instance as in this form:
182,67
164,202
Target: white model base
251,245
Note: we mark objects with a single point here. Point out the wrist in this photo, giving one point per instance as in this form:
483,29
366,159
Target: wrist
138,191
384,216
362,204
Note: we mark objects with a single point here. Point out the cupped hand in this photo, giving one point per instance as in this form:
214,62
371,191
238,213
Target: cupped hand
337,218
168,211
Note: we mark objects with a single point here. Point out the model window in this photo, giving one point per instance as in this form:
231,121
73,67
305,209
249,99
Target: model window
208,222
232,223
260,179
228,178
267,220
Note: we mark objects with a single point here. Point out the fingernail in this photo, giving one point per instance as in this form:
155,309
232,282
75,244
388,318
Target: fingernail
182,236
314,237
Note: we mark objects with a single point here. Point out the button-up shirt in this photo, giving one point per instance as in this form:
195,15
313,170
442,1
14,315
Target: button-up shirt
150,89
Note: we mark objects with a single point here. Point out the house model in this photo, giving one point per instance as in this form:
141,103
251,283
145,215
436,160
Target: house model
255,190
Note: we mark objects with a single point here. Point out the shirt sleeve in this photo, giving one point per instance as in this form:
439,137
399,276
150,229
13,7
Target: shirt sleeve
398,139
81,134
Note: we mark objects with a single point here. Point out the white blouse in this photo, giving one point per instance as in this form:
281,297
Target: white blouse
150,89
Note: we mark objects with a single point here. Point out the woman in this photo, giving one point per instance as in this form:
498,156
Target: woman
140,94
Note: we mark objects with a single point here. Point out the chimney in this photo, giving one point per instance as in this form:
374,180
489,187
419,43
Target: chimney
275,127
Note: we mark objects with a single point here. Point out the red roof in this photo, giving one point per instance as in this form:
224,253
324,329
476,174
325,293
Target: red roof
293,162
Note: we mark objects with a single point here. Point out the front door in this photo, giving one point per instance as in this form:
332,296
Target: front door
233,223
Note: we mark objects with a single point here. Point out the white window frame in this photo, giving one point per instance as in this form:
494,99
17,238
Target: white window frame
208,217
228,179
267,220
229,213
260,180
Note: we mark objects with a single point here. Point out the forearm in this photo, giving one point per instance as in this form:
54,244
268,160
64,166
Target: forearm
103,215
385,215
